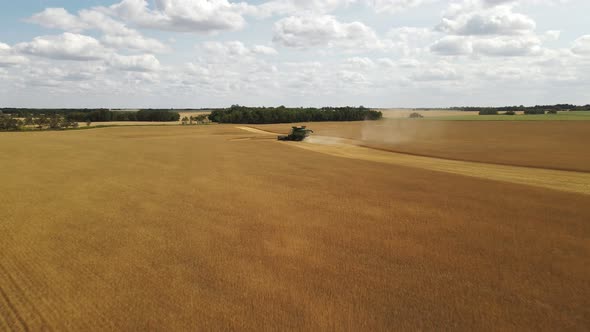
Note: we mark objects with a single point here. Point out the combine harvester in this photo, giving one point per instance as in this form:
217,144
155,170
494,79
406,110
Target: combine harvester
297,134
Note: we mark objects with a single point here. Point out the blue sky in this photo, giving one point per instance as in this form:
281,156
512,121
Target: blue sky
380,53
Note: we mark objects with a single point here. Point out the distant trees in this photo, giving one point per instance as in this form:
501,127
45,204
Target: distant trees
40,121
522,108
282,114
157,115
488,111
416,115
194,120
54,122
95,115
534,111
8,123
200,119
510,113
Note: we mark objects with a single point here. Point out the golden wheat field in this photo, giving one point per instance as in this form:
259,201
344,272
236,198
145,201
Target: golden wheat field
543,144
215,227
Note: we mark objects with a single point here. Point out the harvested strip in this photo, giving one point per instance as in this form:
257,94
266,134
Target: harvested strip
577,182
257,131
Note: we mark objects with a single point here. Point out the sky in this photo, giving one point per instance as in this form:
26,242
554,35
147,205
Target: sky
215,53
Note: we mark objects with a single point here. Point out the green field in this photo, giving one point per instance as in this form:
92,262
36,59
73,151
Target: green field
561,116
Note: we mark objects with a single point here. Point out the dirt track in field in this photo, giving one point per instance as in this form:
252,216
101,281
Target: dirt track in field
186,228
576,182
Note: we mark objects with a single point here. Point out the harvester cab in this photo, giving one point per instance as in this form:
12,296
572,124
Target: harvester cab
297,134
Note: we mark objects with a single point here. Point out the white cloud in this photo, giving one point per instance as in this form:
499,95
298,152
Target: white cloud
394,6
503,46
495,20
552,35
329,52
289,7
116,34
182,15
324,31
437,73
489,28
386,62
235,49
489,46
58,18
138,63
582,45
67,46
360,63
318,7
9,58
452,45
264,50
410,41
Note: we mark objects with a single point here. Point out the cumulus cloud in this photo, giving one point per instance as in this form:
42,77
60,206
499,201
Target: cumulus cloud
264,50
359,63
67,46
492,46
116,34
299,7
410,41
58,18
386,62
323,30
452,45
9,58
289,7
479,42
498,20
394,6
488,28
502,46
235,49
582,45
137,63
437,73
182,15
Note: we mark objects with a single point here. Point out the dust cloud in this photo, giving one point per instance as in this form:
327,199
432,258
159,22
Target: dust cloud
399,131
325,140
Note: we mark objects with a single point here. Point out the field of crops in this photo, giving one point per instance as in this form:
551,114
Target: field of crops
545,144
561,116
219,228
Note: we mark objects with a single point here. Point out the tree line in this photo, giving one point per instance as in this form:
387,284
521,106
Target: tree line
537,109
282,114
107,115
55,122
96,115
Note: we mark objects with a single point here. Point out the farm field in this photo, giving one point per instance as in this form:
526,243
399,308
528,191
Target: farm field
397,113
519,116
455,115
221,228
545,144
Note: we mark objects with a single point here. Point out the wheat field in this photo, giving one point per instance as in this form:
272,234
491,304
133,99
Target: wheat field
217,228
557,145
